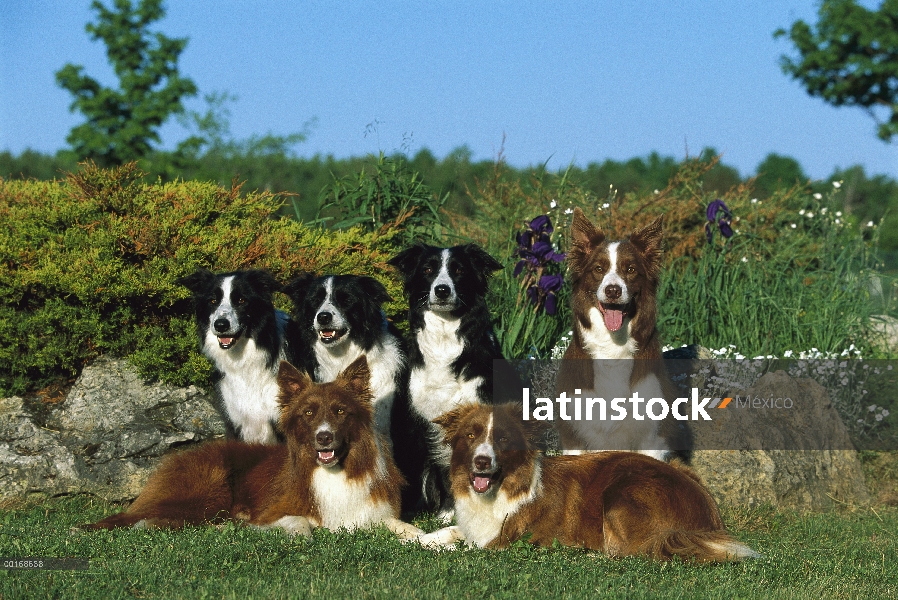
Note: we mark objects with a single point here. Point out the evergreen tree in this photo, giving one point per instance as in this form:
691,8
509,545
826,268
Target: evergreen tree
122,124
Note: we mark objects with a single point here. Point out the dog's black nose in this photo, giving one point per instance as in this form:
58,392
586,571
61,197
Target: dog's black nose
325,318
221,325
613,292
324,438
482,463
442,291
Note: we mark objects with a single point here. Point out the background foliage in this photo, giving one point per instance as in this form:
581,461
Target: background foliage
87,263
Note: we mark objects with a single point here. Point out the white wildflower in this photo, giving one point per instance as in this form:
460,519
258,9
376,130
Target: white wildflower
744,259
885,412
823,210
553,204
810,215
869,223
879,417
871,408
801,212
606,205
838,213
568,211
754,200
793,225
818,196
837,184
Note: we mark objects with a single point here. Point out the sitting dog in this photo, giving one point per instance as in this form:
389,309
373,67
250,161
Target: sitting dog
615,350
621,503
245,338
339,318
333,471
451,349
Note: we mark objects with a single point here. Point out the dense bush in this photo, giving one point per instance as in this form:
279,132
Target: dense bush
87,267
87,264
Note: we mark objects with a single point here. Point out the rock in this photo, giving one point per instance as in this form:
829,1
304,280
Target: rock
104,439
796,474
885,329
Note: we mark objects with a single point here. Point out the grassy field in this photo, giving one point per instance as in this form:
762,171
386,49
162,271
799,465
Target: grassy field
851,554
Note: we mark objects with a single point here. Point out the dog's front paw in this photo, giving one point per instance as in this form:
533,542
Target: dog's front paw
290,524
406,532
441,539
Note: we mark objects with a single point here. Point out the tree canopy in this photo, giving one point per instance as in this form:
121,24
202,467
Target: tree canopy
122,124
850,58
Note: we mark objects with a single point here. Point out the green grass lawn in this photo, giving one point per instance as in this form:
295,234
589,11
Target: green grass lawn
834,555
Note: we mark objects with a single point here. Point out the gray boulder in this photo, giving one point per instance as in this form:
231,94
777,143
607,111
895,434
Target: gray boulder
104,439
803,477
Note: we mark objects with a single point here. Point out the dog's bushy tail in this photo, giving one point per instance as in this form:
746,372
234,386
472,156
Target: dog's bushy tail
703,546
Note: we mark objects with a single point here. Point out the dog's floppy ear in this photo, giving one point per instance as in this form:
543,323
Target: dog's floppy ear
480,258
296,287
585,237
406,261
291,382
648,241
357,377
198,281
263,281
451,420
374,289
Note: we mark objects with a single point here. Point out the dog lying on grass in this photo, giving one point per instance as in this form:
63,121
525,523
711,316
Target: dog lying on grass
335,471
621,503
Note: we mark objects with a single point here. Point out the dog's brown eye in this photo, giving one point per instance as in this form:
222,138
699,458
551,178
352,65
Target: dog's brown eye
503,439
428,270
340,411
213,302
599,269
308,413
631,269
471,436
457,271
241,301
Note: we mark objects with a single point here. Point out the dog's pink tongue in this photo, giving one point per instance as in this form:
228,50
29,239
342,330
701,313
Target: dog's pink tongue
325,454
613,319
481,483
226,340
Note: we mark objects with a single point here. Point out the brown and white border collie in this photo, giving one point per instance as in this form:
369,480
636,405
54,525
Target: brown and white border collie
614,284
333,471
621,503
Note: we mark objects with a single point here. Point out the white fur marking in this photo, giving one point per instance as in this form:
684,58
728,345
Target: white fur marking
480,517
347,503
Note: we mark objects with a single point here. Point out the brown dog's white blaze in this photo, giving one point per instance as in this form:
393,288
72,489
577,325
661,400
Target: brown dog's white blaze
329,418
615,280
622,503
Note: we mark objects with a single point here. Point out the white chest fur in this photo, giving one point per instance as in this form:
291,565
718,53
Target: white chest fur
248,388
481,517
347,503
434,388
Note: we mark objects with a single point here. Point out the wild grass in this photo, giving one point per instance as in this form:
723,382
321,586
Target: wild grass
853,554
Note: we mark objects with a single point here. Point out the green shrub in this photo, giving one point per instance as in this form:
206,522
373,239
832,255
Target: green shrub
87,266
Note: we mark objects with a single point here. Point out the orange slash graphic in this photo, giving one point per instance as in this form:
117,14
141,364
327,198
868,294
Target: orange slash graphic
724,403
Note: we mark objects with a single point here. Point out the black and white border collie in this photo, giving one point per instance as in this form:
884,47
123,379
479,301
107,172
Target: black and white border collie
451,351
615,349
340,318
245,338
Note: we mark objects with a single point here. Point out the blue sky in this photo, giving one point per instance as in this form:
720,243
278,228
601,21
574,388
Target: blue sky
561,82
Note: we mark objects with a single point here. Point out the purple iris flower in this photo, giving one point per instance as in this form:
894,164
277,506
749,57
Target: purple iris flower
537,257
718,213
